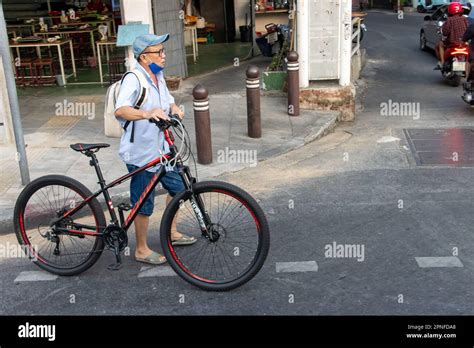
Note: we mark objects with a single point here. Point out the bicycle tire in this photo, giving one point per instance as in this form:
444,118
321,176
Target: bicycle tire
83,192
249,203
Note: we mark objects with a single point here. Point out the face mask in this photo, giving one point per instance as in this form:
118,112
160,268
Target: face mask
155,68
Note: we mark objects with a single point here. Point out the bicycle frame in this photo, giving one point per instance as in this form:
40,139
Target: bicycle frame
183,171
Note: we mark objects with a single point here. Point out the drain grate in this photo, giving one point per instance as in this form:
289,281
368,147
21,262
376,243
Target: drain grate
444,147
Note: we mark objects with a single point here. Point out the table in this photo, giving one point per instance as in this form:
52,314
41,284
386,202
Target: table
110,24
45,43
111,42
193,29
63,32
20,26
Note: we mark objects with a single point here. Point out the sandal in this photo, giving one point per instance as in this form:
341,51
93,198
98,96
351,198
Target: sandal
184,240
154,258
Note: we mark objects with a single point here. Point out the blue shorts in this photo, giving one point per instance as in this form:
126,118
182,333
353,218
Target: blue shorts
171,182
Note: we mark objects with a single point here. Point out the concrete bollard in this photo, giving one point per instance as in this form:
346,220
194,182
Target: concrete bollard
202,123
293,84
254,124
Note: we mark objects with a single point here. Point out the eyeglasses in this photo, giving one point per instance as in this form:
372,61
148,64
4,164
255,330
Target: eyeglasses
159,52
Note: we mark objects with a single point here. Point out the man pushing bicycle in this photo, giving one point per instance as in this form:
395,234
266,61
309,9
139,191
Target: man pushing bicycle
142,141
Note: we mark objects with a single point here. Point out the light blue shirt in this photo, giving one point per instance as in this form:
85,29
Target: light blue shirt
148,138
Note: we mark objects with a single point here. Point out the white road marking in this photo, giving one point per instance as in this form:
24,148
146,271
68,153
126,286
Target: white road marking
447,261
387,139
35,276
156,271
302,266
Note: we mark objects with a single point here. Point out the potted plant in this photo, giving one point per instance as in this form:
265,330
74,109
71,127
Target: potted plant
274,76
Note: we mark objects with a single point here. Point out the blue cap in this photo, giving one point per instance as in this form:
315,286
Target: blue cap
143,41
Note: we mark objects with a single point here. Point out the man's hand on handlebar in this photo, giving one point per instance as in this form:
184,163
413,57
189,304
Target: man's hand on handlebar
176,110
156,114
173,120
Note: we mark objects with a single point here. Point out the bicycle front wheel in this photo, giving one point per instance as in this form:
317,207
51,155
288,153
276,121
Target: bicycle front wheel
240,242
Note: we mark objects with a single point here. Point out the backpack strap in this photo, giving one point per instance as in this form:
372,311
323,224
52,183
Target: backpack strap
141,98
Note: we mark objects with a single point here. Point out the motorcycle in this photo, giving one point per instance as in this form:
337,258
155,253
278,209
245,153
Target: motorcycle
468,88
455,59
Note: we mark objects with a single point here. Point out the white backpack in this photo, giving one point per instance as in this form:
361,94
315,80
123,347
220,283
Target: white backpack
112,127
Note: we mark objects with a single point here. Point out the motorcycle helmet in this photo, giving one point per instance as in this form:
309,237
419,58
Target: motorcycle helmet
455,8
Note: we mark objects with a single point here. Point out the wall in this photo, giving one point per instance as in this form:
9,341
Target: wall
166,20
241,8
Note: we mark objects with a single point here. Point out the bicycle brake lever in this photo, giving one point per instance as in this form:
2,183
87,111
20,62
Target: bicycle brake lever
160,124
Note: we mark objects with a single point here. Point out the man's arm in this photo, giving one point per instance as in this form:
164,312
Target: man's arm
131,114
126,99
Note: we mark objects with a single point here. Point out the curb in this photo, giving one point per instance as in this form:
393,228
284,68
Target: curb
316,133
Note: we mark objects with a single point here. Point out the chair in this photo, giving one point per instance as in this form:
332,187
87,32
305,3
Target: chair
116,68
45,72
24,78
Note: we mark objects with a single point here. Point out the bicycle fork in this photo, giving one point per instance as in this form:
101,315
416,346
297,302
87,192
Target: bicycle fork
197,204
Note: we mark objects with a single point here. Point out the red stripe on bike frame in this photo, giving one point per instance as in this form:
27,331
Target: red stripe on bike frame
142,196
146,166
84,233
118,181
168,138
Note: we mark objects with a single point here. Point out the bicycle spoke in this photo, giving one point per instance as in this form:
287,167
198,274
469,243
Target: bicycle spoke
235,248
44,205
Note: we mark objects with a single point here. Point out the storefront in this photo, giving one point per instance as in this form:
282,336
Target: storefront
60,42
228,30
74,42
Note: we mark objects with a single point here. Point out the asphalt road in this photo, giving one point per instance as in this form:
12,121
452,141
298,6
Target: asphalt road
358,186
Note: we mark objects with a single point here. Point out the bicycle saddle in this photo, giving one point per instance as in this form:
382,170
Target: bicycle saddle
87,147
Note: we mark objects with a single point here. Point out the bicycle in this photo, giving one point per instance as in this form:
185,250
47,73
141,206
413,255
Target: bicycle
63,227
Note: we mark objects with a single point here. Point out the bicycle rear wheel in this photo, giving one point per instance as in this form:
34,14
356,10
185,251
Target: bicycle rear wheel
241,242
52,247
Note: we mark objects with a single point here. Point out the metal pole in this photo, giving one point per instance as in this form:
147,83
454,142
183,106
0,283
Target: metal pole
13,99
254,124
202,124
252,27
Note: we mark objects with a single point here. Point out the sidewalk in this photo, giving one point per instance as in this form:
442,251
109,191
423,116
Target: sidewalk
48,134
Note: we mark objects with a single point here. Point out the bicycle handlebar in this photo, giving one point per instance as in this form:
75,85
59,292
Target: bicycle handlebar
174,121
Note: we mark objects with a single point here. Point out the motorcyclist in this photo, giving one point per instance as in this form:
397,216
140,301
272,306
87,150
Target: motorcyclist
452,31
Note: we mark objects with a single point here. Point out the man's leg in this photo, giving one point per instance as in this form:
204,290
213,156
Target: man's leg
174,232
441,53
173,183
141,229
142,220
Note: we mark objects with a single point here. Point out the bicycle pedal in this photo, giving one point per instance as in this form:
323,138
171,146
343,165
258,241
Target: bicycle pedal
114,266
124,206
